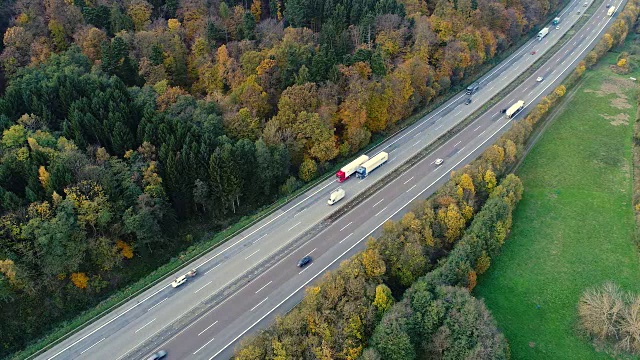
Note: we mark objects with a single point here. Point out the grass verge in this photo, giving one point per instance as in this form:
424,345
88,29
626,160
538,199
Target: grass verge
574,227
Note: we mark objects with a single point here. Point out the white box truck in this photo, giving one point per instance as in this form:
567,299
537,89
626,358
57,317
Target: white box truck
543,33
348,170
335,196
612,10
372,164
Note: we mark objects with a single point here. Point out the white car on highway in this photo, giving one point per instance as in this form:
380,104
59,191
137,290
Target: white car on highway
539,79
179,281
438,161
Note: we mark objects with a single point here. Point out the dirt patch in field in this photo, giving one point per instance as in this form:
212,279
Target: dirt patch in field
617,88
621,103
617,120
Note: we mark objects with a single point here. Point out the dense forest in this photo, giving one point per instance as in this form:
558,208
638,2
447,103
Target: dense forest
121,119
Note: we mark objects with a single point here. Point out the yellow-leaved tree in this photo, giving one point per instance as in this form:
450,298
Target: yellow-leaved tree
453,222
80,280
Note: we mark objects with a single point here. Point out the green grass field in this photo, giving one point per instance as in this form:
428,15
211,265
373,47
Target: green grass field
574,227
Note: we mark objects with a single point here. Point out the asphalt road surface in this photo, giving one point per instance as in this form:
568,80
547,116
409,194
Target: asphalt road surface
205,317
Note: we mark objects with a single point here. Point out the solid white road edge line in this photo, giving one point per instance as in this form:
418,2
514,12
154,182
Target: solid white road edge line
268,222
107,323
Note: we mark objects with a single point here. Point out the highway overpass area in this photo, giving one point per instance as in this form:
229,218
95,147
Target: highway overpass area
243,284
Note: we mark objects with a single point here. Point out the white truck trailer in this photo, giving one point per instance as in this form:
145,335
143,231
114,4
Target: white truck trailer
372,164
348,170
514,109
543,33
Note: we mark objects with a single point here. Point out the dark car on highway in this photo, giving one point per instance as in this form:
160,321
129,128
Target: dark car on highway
159,355
304,261
468,101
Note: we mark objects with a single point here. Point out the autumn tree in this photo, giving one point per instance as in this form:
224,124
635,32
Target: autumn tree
90,40
140,13
80,280
453,222
483,263
490,180
308,170
17,41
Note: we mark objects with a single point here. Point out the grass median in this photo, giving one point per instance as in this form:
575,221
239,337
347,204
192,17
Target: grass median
574,227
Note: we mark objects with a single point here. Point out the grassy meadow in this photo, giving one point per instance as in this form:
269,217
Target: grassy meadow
574,227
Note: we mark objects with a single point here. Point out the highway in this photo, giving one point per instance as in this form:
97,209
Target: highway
244,283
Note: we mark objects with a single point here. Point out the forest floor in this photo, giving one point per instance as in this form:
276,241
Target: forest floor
574,227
